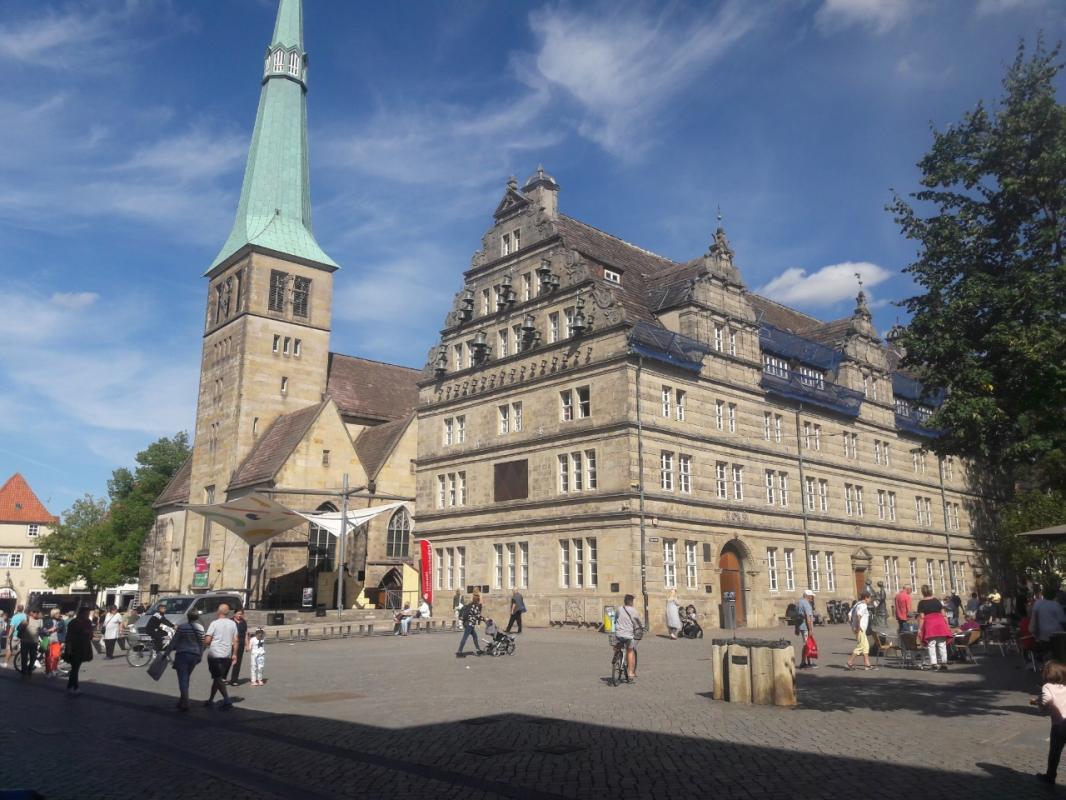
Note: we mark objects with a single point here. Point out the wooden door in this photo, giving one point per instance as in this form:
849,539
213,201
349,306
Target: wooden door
731,581
860,581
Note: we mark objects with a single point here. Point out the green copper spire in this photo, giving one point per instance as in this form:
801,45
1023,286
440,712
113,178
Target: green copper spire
274,212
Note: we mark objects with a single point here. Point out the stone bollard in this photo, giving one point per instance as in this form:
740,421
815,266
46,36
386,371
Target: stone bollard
362,630
348,632
370,630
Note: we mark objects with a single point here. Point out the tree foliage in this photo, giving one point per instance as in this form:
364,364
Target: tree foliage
990,326
100,541
1039,559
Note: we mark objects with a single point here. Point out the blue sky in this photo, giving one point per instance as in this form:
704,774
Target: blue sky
126,124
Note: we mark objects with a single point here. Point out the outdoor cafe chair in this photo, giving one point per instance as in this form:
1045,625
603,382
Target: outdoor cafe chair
913,653
964,642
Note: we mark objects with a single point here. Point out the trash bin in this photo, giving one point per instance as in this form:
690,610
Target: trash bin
320,610
728,611
755,671
277,618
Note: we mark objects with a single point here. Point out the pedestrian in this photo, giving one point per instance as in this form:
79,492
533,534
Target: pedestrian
187,644
57,636
78,646
12,635
933,629
457,603
860,624
242,640
625,631
424,610
518,608
112,630
805,625
3,631
1053,700
257,647
157,627
973,604
470,616
673,614
29,633
220,641
902,604
1046,618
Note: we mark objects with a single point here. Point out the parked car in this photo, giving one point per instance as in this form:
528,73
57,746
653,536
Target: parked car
180,604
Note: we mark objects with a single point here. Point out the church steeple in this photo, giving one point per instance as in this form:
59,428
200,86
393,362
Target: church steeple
274,212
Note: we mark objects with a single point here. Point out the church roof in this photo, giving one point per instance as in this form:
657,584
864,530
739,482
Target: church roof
274,211
274,447
364,388
177,490
18,503
376,443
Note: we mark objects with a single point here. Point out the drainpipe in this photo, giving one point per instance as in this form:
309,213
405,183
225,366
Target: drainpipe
947,526
640,485
803,499
341,547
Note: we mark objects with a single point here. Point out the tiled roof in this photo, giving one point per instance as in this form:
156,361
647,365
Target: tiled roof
376,443
783,317
18,503
275,446
831,334
177,491
364,388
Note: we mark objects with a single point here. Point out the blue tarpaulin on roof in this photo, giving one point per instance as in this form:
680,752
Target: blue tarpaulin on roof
652,341
795,347
828,395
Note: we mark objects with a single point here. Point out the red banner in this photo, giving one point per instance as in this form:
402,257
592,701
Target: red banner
427,569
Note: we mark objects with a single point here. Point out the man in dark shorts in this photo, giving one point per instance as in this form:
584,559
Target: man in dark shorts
624,629
221,644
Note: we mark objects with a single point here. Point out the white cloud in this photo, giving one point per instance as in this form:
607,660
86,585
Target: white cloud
825,287
878,15
74,300
914,68
623,67
988,7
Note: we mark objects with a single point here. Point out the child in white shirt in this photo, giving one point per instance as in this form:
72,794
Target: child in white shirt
1053,700
257,647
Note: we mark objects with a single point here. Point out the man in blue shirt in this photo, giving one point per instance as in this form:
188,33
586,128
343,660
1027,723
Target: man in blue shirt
805,612
12,637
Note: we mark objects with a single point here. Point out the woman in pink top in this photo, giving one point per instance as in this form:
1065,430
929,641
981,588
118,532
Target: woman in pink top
933,628
1053,700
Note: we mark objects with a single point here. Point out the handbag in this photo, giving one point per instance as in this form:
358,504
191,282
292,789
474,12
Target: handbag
810,648
158,666
638,627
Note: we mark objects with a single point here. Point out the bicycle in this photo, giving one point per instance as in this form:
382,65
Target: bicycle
619,662
142,650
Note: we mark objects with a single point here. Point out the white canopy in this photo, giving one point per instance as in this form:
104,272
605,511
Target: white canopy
256,519
1054,530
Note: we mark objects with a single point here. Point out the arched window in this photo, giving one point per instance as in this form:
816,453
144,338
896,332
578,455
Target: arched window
279,60
321,544
294,63
398,544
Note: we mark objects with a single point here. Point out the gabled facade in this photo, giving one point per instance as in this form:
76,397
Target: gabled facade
24,522
594,413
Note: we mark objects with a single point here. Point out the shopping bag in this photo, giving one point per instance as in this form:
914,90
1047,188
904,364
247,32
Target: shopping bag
158,666
810,648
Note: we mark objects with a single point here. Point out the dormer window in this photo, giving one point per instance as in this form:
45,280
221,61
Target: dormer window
294,63
279,60
511,242
814,378
612,276
505,244
775,365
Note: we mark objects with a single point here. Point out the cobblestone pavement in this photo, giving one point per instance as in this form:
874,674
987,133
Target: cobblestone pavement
396,718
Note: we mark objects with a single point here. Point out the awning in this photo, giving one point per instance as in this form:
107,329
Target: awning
256,519
1055,530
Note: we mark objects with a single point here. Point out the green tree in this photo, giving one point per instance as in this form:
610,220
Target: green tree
76,549
1034,558
990,325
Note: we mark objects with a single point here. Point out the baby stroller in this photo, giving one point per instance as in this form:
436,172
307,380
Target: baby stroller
499,643
690,628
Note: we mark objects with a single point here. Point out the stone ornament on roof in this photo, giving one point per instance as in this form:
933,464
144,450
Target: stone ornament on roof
719,258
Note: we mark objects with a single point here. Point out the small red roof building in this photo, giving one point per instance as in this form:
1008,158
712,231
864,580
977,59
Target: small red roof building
19,504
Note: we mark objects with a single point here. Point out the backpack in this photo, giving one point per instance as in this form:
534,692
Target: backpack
464,613
638,626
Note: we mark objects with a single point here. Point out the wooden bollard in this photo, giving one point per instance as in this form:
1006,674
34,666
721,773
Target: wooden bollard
762,676
784,662
739,658
717,673
370,630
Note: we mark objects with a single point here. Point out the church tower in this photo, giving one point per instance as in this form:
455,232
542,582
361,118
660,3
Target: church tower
270,288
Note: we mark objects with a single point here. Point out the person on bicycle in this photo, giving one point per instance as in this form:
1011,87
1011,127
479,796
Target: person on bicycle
157,626
624,625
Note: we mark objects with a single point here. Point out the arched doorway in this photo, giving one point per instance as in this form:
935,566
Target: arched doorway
731,571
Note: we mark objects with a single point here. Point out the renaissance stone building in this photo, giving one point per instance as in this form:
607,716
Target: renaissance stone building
276,409
597,420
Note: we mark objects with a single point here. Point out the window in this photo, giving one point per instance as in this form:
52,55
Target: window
953,514
504,413
498,554
771,567
209,498
812,436
13,560
667,396
294,63
777,428
719,332
767,425
912,564
666,470
771,487
858,502
877,448
593,568
286,347
527,286
462,488
284,384
790,570
460,429
732,417
773,365
576,474
321,544
684,473
849,499
670,563
732,342
512,567
851,445
453,494
782,488
943,578
301,292
523,554
830,574
457,356
277,342
929,574
438,568
516,417
564,563
810,493
553,327
568,316
584,404
502,346
442,492
816,578
485,309
918,461
566,405
579,563
279,60
516,240
679,404
720,479
505,245
276,299
691,566
460,562
449,431
612,276
814,378
892,506
590,469
40,561
398,540
719,414
823,495
738,482
949,468
882,504
33,529
297,346
325,458
564,474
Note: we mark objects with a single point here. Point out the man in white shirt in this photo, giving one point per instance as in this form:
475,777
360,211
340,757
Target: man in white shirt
860,623
221,644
